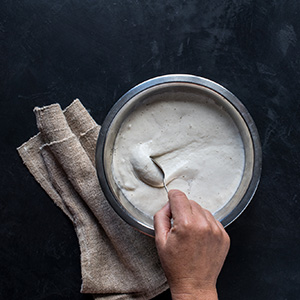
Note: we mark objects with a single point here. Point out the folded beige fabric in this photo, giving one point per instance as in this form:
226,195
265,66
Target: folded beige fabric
117,262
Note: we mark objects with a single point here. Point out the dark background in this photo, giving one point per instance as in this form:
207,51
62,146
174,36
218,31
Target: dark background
58,50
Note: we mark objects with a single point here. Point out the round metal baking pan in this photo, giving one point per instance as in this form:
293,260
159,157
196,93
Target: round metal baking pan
168,85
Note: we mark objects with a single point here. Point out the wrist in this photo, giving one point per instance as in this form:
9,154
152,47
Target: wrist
197,294
190,290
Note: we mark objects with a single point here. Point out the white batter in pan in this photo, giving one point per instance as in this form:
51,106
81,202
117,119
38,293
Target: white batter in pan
197,144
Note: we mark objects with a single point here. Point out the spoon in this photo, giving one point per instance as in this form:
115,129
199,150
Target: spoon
162,171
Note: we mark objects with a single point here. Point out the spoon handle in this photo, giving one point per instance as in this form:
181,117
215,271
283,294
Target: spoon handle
162,171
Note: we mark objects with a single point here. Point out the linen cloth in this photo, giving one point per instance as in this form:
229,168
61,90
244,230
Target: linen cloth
117,261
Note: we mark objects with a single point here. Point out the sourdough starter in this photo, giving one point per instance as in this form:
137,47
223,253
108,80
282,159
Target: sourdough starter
197,145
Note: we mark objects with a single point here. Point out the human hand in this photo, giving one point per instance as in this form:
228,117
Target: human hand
193,250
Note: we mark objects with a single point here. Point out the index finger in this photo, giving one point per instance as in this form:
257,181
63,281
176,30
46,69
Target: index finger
180,205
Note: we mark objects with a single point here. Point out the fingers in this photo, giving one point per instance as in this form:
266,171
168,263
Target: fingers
199,210
162,223
205,217
184,212
216,227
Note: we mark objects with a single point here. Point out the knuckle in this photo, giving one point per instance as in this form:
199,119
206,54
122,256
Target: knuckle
222,237
184,228
227,239
189,226
207,212
201,229
155,219
205,227
216,232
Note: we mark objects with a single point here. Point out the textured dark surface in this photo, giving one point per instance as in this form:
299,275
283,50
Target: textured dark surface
54,51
